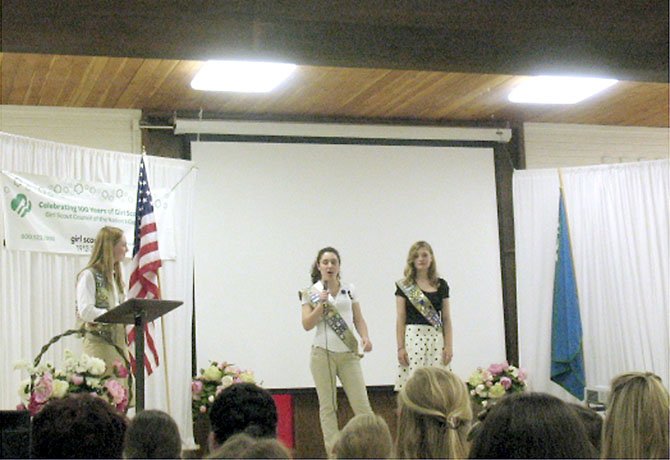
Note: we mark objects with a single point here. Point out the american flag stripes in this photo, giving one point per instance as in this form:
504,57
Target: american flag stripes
146,261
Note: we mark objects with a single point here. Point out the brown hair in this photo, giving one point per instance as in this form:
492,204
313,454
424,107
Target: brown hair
636,424
315,273
152,434
242,445
410,269
531,425
434,415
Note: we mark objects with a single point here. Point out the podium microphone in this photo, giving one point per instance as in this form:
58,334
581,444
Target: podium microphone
325,285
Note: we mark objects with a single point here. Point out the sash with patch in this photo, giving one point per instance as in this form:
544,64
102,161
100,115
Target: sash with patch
334,320
420,302
103,300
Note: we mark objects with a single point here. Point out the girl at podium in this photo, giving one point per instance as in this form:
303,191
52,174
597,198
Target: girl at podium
100,288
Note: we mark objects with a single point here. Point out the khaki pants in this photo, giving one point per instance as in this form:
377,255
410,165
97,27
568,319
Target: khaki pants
325,366
99,348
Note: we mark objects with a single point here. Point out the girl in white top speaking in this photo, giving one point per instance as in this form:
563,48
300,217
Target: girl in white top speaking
332,307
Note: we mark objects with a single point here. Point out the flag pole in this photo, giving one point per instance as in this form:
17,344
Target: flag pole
165,358
162,320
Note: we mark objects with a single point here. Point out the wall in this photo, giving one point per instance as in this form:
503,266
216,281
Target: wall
553,145
109,129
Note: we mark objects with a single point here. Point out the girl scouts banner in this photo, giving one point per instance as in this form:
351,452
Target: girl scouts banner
49,214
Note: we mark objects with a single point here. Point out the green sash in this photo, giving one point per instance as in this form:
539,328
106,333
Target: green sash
333,319
103,300
420,302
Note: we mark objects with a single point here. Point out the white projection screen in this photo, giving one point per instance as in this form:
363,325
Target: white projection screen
264,210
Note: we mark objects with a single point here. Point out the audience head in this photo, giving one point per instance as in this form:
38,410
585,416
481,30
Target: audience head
242,445
242,407
78,426
531,425
593,424
636,424
434,415
365,436
152,434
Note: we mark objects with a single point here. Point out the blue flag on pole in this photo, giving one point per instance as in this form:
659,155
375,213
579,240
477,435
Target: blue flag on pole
567,358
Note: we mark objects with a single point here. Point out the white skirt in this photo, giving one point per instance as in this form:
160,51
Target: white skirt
424,345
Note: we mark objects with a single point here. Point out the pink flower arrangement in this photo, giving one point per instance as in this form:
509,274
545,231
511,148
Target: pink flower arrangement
499,379
211,381
84,374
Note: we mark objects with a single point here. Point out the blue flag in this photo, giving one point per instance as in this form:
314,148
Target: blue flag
567,358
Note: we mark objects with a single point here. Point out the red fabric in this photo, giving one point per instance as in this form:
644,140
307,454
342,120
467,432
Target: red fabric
284,403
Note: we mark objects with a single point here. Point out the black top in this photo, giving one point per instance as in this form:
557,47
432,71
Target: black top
413,315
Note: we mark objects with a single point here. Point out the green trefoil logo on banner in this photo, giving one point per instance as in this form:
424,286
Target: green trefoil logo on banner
21,204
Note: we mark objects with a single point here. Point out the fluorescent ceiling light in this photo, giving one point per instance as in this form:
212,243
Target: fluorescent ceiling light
241,76
558,90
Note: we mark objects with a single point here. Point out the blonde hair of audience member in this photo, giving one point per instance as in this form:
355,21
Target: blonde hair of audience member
241,445
434,416
636,424
364,436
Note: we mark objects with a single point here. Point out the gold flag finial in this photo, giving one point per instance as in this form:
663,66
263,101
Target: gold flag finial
144,150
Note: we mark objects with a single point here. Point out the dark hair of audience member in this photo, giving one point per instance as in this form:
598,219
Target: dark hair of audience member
152,434
242,445
531,425
78,426
636,424
364,436
243,407
593,423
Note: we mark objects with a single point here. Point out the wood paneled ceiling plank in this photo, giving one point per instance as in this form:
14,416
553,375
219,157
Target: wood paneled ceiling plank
123,74
138,83
38,78
10,68
55,80
93,71
176,85
76,73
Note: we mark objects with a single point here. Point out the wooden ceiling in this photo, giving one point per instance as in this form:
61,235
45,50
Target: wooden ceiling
438,62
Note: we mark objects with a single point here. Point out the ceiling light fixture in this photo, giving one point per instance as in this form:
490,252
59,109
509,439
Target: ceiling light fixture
241,76
558,90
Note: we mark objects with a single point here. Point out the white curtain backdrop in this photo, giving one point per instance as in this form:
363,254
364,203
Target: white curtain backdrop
619,226
37,290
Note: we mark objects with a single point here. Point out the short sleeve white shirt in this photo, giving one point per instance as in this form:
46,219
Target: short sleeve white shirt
343,301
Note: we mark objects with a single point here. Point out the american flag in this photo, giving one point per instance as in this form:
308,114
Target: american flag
146,261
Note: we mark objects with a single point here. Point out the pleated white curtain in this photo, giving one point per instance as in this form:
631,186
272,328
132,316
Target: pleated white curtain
619,225
37,290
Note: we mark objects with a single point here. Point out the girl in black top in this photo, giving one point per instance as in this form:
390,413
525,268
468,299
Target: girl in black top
420,342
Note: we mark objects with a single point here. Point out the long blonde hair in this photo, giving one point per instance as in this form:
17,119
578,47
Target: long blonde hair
365,436
434,416
636,425
410,269
102,256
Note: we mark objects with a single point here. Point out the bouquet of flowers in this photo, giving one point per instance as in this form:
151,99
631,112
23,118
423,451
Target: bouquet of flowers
487,385
212,381
82,374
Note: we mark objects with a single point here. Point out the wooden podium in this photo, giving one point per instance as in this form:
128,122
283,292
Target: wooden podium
138,312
